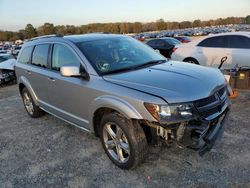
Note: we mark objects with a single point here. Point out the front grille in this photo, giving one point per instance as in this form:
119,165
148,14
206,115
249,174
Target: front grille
212,106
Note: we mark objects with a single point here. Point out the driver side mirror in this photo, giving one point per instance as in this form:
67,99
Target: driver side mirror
74,71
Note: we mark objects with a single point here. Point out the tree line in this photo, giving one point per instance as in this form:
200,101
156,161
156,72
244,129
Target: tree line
122,27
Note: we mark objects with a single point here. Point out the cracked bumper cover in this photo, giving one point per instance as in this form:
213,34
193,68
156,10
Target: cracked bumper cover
203,137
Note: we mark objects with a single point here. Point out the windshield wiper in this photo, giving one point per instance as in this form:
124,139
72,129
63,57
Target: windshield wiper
150,63
119,70
147,64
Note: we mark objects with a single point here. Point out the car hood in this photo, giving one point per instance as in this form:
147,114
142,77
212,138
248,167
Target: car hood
172,81
8,64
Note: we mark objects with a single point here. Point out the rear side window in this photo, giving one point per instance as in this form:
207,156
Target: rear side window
61,56
40,55
160,43
25,55
152,43
238,42
213,42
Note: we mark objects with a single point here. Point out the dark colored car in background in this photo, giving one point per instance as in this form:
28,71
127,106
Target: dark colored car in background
183,39
165,45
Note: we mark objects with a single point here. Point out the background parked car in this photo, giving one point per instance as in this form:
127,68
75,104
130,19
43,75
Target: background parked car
183,39
7,63
16,50
3,51
210,50
165,45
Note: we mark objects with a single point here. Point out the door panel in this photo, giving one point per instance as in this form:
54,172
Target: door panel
67,98
211,50
38,72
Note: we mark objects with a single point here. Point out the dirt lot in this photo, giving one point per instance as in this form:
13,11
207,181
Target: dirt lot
48,152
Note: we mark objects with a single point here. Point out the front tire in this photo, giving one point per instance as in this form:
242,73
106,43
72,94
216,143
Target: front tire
32,109
123,141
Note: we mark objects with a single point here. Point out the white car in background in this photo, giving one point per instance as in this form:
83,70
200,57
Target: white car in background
210,50
7,70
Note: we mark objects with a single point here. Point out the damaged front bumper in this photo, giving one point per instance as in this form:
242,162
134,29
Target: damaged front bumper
204,136
199,135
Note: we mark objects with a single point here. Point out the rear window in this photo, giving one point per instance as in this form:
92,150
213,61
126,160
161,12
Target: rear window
213,42
25,55
238,42
40,55
172,41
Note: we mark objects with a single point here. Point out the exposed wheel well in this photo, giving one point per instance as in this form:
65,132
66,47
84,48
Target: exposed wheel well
188,59
103,111
98,117
21,86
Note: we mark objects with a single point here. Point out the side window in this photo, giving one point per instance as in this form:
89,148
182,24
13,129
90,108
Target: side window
25,55
238,42
40,55
213,42
152,43
62,55
160,43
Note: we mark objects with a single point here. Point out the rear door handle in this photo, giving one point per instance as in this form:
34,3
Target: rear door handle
51,79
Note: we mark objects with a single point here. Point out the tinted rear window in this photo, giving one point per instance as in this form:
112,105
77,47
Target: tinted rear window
25,55
172,41
213,42
40,55
238,42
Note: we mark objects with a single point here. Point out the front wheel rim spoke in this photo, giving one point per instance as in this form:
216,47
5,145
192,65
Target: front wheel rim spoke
110,132
125,147
120,153
119,132
110,144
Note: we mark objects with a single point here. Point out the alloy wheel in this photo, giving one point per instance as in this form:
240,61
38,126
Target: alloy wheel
116,142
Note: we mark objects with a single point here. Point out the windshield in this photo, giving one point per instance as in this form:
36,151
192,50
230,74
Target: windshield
111,55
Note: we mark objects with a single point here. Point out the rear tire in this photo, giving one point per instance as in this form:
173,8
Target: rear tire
32,109
124,141
191,60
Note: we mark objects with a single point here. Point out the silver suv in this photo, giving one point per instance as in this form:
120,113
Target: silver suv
124,92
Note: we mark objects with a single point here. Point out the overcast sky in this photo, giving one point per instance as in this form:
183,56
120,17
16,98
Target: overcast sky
15,14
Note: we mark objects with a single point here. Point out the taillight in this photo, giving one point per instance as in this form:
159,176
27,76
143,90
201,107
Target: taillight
174,49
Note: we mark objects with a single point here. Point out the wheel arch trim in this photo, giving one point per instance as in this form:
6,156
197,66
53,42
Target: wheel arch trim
25,82
116,104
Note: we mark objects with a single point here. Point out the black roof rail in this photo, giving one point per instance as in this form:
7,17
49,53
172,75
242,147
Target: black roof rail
46,36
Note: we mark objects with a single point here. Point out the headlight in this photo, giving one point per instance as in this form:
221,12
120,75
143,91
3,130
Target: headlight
172,112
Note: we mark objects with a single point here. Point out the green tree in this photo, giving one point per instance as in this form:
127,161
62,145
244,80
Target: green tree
160,24
247,19
29,31
46,29
137,27
196,23
185,24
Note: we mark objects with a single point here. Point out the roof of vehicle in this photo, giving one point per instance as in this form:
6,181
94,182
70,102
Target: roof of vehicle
90,37
72,38
232,33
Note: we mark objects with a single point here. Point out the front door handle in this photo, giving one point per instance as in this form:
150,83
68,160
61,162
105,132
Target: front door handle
51,79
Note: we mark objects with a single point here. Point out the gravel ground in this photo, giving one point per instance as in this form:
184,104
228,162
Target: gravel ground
48,152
